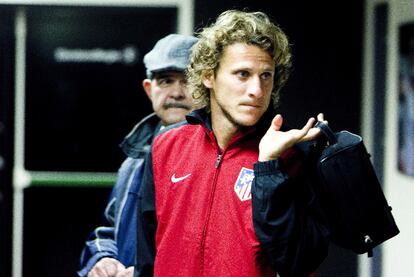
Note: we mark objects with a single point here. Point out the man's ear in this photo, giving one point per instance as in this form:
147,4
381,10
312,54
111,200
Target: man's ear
147,85
208,80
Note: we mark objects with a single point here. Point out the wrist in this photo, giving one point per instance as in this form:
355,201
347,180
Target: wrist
265,158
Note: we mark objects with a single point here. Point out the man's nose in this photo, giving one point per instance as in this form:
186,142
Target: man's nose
255,88
178,90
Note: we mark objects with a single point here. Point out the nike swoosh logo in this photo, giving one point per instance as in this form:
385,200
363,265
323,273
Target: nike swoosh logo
178,179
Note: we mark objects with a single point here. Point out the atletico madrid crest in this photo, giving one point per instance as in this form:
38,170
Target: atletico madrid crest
243,186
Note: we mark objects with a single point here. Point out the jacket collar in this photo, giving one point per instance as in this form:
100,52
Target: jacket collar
201,116
138,141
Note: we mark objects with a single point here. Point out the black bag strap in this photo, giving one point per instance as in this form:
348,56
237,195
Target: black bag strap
327,131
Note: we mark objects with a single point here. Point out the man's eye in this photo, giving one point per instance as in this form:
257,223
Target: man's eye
267,75
164,81
243,74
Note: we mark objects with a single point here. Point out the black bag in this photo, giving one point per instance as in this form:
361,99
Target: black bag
351,196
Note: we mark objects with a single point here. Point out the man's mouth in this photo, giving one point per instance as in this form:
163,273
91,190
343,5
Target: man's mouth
177,106
251,105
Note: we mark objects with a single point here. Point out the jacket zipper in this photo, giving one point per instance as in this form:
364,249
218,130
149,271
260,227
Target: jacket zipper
218,160
212,193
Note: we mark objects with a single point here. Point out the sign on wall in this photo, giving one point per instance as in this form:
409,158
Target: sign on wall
83,83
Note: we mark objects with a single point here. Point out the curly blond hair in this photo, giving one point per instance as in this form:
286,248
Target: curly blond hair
234,26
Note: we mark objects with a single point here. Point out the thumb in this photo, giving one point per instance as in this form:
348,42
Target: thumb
277,122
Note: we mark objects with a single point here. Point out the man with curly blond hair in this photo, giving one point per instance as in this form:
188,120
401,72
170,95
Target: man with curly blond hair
226,193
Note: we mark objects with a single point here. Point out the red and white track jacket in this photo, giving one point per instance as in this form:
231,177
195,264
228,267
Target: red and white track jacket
197,217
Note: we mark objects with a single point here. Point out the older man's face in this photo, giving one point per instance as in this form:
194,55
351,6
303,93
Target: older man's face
169,96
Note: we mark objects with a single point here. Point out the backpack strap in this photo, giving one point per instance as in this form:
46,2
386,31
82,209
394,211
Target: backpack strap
327,132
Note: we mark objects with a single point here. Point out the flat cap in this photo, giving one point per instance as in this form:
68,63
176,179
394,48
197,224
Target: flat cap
169,53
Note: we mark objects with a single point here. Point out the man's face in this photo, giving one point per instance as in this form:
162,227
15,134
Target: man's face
169,96
240,91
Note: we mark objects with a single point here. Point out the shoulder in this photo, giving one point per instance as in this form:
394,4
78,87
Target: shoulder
179,131
138,140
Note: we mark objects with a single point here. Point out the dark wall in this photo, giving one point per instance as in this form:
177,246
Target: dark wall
83,83
57,223
77,113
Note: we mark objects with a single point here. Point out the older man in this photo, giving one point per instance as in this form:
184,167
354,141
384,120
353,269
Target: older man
110,250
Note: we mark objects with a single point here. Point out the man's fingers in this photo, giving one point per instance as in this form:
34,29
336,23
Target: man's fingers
97,271
129,272
305,130
309,124
120,267
322,118
311,132
106,267
109,266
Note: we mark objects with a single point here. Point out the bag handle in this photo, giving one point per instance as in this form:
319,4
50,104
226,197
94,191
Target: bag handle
327,131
